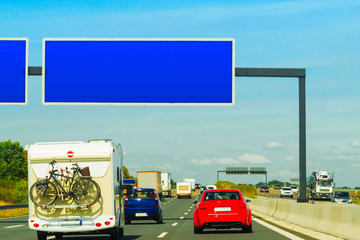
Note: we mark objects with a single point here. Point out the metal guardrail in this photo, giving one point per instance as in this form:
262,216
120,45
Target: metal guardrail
14,206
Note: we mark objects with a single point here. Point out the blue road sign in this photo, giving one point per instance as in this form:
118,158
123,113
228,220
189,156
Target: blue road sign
129,181
138,71
13,69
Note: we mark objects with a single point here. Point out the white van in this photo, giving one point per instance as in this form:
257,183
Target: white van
183,189
67,206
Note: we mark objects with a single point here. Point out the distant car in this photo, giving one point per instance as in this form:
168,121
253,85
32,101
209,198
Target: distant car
197,185
277,187
341,197
222,209
210,187
143,204
286,192
264,189
202,189
294,189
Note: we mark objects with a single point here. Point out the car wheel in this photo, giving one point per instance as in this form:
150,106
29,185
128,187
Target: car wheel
127,221
247,229
160,219
41,235
197,230
58,235
281,196
121,232
114,235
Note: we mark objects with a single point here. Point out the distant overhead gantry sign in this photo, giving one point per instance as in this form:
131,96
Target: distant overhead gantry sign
258,170
13,69
237,170
138,72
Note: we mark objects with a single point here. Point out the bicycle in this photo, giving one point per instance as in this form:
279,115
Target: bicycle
83,190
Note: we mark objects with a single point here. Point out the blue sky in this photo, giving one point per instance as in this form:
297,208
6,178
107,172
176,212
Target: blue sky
194,142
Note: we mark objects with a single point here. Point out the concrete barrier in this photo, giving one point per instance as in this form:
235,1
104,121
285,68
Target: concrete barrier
335,219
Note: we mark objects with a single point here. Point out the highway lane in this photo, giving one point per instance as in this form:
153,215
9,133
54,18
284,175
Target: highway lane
178,224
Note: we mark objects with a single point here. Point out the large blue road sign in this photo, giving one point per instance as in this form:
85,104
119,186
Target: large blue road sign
138,71
13,71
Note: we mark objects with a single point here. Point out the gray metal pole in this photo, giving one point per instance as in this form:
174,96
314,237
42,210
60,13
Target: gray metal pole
217,176
302,141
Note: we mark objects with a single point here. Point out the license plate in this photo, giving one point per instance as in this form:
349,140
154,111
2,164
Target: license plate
222,209
141,214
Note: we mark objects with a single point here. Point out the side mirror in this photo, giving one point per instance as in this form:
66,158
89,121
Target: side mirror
195,202
247,200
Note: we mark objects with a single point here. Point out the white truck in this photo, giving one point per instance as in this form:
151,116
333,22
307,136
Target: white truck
166,184
65,201
191,181
320,185
150,179
183,189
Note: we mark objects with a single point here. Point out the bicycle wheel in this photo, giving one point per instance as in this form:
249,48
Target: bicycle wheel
43,192
86,191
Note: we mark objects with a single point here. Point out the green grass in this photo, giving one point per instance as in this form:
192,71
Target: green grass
246,190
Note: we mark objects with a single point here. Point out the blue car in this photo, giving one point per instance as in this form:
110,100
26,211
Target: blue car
143,204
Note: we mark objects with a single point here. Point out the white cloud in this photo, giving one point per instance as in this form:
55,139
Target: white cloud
355,144
343,157
289,158
253,158
273,145
201,162
177,157
356,165
226,161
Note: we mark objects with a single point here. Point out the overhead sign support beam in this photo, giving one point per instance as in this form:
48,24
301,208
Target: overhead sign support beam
299,73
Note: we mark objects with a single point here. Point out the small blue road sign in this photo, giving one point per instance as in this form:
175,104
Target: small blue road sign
138,71
13,69
129,181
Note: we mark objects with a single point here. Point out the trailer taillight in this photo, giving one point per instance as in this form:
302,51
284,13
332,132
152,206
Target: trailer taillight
36,225
107,223
98,224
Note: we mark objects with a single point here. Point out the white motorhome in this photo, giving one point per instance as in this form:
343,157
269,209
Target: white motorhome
166,184
64,215
183,189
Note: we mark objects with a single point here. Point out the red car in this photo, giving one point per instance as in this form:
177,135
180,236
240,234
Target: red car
222,209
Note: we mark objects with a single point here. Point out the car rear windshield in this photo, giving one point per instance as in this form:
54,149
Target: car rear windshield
222,196
142,195
286,189
341,194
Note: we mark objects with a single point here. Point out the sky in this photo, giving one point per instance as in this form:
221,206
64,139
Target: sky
260,130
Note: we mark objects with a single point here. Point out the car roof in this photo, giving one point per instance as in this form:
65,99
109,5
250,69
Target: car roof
222,190
146,189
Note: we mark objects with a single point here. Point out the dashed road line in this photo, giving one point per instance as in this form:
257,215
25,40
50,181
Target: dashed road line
14,226
181,217
174,224
162,235
186,213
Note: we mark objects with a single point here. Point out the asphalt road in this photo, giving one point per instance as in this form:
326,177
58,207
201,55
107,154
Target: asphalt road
178,224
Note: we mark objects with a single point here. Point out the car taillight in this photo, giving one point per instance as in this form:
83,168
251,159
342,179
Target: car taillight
242,205
156,197
125,206
126,198
157,206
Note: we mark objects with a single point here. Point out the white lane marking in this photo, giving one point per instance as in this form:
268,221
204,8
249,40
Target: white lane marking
181,217
14,226
164,203
186,213
189,210
162,235
174,224
278,230
52,237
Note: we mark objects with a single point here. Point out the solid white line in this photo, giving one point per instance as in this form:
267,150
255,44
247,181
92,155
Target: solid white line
162,235
52,237
181,217
174,224
14,226
278,230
